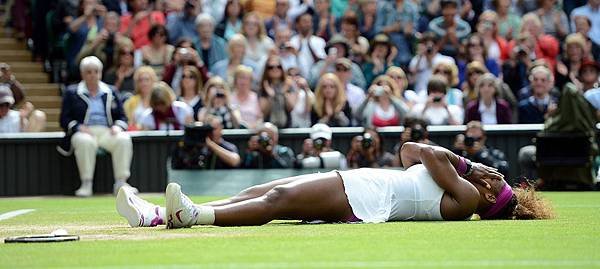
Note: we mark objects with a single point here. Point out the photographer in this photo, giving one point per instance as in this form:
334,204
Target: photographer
415,130
436,111
366,151
471,145
421,65
107,43
205,148
317,151
263,151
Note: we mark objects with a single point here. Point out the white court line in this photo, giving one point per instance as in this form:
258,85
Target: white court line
382,264
15,213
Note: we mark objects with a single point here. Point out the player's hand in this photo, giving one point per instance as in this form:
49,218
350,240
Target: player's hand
482,172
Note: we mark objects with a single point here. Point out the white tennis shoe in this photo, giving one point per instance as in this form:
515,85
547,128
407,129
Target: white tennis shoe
137,211
181,211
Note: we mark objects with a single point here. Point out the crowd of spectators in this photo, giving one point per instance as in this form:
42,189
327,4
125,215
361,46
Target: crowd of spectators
267,65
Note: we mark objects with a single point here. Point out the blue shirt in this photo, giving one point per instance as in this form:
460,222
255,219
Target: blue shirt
97,110
593,15
180,26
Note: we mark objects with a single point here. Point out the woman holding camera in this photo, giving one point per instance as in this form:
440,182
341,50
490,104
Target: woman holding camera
381,107
217,103
436,111
331,106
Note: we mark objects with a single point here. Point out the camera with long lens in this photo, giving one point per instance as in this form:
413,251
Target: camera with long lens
470,141
264,140
367,141
191,151
417,133
319,143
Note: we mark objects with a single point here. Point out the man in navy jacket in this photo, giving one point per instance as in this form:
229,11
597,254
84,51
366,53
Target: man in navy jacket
92,116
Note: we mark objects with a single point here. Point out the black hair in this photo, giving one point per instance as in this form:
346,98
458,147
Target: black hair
157,28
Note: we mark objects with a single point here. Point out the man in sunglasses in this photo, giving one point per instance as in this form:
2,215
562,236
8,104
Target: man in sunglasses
471,145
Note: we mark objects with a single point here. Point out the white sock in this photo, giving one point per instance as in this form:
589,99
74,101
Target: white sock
86,184
120,182
206,215
162,214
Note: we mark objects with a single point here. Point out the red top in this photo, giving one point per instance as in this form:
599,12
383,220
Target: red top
379,122
139,32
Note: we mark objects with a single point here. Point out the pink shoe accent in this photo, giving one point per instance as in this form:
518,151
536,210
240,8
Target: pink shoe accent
157,220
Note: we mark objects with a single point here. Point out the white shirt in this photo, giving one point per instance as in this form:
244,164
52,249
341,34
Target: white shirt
300,117
488,113
11,123
424,70
249,109
437,115
355,96
305,58
180,109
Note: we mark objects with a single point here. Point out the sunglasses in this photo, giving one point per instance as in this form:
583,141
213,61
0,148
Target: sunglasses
474,45
188,76
445,72
475,72
341,69
126,52
274,67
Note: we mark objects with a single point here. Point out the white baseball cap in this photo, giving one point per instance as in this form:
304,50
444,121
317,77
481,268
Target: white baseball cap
320,130
6,95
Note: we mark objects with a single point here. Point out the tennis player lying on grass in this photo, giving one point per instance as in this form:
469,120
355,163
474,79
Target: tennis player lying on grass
437,185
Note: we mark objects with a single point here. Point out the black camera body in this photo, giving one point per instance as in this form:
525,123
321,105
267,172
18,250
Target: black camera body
191,151
470,141
264,140
417,133
367,141
319,143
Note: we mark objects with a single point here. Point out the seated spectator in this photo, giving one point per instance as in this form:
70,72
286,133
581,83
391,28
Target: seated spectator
107,43
521,57
231,23
88,23
366,150
359,45
185,54
216,8
88,125
509,23
369,12
449,70
279,19
211,48
589,76
544,47
398,76
495,46
275,98
217,152
489,108
137,24
136,105
574,55
237,56
286,52
158,53
473,71
475,51
34,119
311,48
303,100
381,108
244,99
472,146
183,24
121,75
337,48
591,12
554,20
191,89
436,111
323,20
13,121
259,44
265,152
317,151
217,102
421,65
449,28
583,26
537,107
400,24
331,106
415,130
165,112
380,57
354,94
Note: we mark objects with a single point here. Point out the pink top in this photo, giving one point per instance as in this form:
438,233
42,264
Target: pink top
250,109
139,33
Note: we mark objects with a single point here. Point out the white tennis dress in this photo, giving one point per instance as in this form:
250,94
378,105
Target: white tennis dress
380,195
